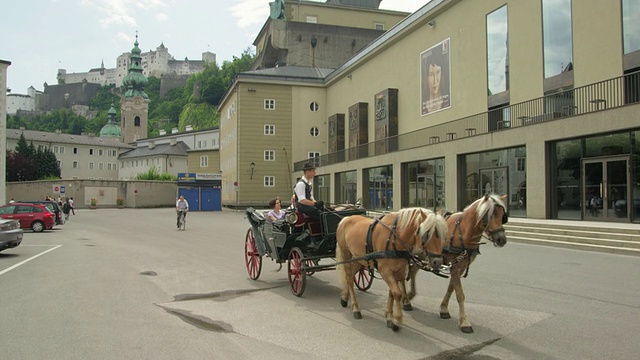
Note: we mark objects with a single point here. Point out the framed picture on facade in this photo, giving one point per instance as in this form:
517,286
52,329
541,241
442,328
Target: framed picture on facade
435,78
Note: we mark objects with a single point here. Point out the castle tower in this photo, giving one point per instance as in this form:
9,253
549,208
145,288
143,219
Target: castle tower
134,106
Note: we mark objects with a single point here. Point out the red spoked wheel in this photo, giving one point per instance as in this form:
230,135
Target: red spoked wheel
252,258
362,279
297,275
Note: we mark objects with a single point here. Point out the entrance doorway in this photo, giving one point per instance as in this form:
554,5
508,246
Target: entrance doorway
605,194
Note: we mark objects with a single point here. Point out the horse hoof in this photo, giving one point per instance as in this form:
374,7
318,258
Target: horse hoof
394,327
344,303
467,329
444,315
407,307
389,324
357,315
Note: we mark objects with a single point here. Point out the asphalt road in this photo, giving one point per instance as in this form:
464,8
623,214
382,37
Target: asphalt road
125,284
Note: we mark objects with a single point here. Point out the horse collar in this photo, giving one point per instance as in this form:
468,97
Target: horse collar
459,250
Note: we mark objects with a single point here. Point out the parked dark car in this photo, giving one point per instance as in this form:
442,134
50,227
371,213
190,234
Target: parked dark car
36,217
51,205
10,234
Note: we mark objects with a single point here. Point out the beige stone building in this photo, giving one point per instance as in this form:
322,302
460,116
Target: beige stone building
458,99
79,156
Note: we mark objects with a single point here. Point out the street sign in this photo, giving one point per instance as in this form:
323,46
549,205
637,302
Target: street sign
61,189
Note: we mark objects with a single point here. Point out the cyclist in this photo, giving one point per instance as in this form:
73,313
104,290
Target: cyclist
182,207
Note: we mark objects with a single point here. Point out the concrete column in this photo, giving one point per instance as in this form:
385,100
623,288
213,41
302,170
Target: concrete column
3,129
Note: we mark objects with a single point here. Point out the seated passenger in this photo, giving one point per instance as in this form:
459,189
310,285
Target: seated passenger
276,212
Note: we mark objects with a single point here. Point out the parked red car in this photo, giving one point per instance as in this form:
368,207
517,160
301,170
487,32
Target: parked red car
31,216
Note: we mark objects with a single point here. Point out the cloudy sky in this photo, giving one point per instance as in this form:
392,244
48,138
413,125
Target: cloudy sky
40,36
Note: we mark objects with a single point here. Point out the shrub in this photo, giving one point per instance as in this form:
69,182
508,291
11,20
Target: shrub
94,202
120,202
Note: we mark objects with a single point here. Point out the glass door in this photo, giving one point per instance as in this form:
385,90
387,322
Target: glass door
494,181
425,192
606,189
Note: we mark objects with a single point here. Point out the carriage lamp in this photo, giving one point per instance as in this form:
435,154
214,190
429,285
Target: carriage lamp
252,166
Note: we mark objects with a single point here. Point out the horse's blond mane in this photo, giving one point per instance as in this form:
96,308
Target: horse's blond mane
484,207
425,220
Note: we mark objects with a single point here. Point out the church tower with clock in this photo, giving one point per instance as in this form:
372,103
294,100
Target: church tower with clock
134,105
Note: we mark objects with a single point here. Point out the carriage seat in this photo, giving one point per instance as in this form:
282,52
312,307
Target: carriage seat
312,224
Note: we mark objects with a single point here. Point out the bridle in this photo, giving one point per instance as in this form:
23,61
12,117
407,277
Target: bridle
491,232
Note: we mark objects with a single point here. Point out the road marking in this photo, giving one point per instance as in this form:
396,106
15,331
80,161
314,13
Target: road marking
26,261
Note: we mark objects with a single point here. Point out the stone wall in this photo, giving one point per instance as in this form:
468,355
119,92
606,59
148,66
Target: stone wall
136,194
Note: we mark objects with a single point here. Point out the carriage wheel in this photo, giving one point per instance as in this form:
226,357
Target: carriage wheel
363,279
252,258
310,263
297,277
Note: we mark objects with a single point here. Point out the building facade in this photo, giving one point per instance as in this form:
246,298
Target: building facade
322,35
171,153
438,111
79,156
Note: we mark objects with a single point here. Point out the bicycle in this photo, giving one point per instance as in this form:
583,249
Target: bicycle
182,221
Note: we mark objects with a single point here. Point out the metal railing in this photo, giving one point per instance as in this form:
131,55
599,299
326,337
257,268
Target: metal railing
608,94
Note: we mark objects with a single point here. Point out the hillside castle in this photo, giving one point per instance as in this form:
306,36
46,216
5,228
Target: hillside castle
74,90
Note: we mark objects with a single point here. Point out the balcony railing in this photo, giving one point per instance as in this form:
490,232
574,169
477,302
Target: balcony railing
608,94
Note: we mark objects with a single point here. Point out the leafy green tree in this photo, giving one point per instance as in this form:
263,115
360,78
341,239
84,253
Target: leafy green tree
200,116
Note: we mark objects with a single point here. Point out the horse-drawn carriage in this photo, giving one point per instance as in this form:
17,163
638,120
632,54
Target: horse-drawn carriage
300,242
394,244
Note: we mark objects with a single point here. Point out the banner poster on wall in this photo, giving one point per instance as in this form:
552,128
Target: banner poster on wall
435,78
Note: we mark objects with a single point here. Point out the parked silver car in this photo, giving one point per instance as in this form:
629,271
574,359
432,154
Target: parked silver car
10,234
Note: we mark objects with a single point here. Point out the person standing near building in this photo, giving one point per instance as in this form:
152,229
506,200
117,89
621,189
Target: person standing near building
72,207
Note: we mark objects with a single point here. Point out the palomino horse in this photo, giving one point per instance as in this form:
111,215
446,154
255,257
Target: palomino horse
484,216
387,243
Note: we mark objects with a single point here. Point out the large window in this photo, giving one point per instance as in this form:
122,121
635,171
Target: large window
631,25
346,187
498,172
322,188
558,39
423,184
379,194
497,51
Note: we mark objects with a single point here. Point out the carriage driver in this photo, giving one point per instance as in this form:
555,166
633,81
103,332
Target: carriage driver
303,194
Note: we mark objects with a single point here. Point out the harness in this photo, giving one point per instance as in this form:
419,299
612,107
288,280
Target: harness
462,251
371,256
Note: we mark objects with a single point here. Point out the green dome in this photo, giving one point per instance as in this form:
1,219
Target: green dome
111,130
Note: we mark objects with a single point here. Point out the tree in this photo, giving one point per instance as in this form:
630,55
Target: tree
27,163
19,167
200,116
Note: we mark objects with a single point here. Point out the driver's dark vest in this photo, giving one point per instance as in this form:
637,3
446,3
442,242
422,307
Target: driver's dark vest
307,190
